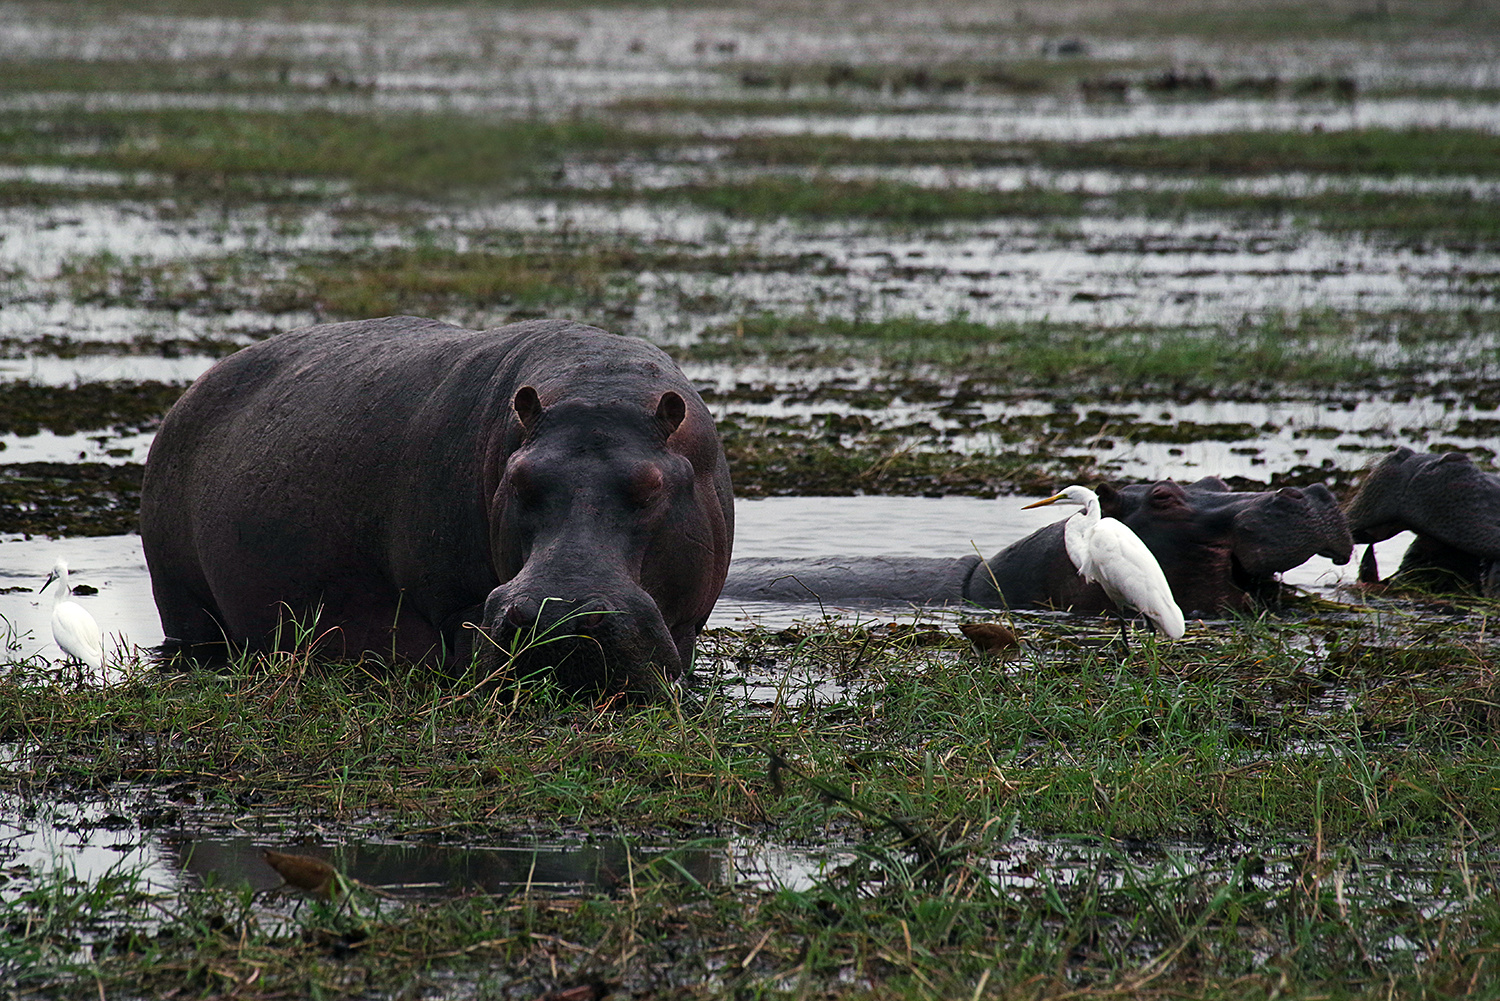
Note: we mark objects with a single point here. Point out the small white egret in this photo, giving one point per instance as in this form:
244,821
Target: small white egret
73,628
1108,553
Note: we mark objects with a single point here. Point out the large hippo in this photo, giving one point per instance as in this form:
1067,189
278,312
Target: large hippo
1217,547
386,482
1451,505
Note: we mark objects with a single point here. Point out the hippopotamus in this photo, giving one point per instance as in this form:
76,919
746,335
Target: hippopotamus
1218,548
386,483
1270,531
1451,505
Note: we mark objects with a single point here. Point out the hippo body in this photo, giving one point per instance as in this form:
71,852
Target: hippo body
1217,547
1451,505
922,580
1036,573
393,479
1268,531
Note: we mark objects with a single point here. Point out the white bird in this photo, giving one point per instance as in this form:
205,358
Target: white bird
73,627
1107,552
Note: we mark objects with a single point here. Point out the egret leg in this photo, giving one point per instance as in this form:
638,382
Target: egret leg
1124,631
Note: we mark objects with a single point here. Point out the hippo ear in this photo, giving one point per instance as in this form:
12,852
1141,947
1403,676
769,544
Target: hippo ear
1109,500
528,407
670,411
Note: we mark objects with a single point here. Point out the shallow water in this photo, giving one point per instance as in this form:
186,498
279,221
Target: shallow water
1101,271
777,526
143,831
139,832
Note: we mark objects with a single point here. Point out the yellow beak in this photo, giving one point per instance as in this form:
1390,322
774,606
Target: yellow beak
1050,500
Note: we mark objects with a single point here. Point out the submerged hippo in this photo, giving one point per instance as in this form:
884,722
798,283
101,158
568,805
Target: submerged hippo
385,482
1451,505
1217,547
1269,531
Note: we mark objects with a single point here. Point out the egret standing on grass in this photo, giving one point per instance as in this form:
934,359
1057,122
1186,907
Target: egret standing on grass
73,628
1108,553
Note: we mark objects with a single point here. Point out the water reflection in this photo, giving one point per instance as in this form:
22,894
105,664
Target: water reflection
135,830
417,870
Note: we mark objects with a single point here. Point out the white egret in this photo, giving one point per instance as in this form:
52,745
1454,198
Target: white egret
1108,553
73,628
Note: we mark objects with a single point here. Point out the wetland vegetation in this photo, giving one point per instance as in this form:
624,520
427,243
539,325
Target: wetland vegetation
961,252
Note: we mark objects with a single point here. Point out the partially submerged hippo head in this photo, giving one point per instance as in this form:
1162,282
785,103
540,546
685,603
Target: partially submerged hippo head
1440,495
603,536
1278,530
1268,531
1239,539
1452,506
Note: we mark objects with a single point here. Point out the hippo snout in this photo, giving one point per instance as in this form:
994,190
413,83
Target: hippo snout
594,643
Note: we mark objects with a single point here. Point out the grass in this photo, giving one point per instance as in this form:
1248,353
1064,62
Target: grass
1278,19
502,274
886,201
1267,775
229,154
1440,219
1308,350
1435,151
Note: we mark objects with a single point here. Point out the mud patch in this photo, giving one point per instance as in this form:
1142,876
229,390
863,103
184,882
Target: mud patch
72,498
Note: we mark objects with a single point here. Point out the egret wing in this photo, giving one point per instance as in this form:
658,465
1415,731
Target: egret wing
1131,576
77,633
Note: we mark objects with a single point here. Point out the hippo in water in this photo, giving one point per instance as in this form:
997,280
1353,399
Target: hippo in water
1451,505
1218,548
387,482
1268,531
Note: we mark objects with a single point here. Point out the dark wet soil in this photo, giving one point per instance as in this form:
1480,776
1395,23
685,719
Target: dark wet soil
69,498
27,408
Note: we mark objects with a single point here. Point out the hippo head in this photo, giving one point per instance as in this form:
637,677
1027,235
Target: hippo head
1375,511
1193,546
1281,529
1443,496
585,521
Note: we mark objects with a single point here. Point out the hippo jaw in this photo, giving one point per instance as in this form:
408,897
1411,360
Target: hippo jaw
1278,531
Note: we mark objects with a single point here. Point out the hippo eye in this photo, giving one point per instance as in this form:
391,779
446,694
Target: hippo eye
645,484
522,479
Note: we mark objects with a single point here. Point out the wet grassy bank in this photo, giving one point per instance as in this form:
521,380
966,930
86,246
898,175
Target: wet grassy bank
1269,807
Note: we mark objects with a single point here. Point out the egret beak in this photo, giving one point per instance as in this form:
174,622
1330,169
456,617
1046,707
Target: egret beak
50,578
1050,500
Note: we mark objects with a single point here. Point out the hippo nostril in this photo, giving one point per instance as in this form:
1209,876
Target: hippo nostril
522,612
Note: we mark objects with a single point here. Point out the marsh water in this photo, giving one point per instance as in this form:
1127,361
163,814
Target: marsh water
770,527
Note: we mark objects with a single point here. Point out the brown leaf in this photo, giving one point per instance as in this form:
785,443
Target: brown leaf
304,872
